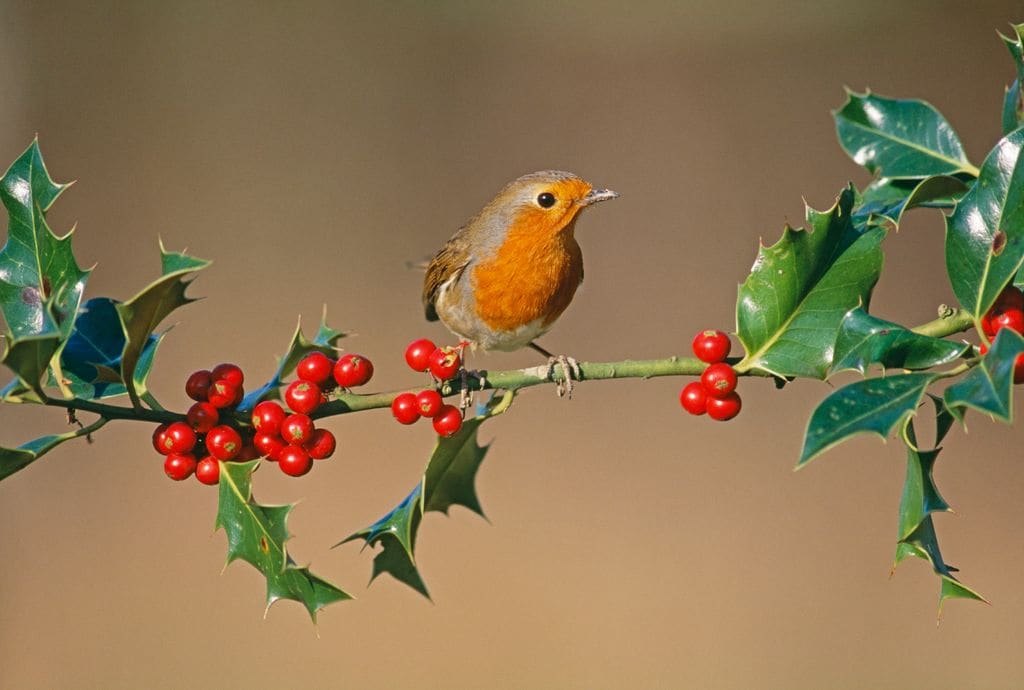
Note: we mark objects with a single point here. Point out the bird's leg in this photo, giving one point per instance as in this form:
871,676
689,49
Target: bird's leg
465,395
570,370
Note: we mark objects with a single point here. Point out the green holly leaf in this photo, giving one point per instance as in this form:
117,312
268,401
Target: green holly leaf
29,358
325,341
799,289
258,534
886,200
923,543
15,459
900,139
873,406
1013,105
985,235
91,358
141,315
449,480
41,284
988,387
864,340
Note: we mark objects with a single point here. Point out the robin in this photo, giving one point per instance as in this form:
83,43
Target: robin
505,276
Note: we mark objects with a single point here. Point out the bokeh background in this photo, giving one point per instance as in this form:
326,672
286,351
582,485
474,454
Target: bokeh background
311,150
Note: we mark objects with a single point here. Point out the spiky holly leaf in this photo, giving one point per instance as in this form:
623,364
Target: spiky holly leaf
899,138
886,200
324,341
873,406
14,459
257,534
29,358
988,387
985,235
799,289
449,479
864,340
41,284
141,315
1013,104
91,358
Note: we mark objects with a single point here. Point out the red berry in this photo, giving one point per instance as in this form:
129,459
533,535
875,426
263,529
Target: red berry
223,442
296,428
316,367
448,420
445,363
429,403
267,416
198,384
303,396
208,470
269,445
1018,369
719,380
179,438
1012,319
417,355
202,417
724,408
160,439
405,408
694,398
179,466
228,372
295,461
711,346
353,370
222,393
321,444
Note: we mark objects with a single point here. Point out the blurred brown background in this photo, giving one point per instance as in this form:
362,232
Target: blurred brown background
310,150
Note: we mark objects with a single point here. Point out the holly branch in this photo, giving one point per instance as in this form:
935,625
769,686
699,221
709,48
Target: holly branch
804,311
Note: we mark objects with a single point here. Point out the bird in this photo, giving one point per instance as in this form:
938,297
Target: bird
503,279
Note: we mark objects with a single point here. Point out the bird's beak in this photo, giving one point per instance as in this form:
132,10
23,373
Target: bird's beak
596,195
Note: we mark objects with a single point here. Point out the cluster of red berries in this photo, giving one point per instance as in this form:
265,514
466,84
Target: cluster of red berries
1006,312
443,363
715,393
202,435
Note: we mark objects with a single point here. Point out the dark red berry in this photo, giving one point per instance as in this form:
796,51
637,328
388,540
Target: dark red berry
321,444
179,466
160,439
198,384
202,417
248,452
208,470
445,363
223,442
295,461
228,372
179,438
316,367
267,416
448,420
417,355
222,393
303,396
694,398
353,370
719,380
429,403
405,408
1012,319
296,428
269,445
711,346
1010,298
1018,369
724,408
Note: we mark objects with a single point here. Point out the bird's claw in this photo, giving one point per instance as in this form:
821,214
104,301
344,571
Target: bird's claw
570,372
465,394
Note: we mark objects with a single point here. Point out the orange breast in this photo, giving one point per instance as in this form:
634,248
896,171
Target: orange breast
533,276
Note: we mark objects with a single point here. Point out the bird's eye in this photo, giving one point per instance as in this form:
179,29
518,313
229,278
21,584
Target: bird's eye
546,200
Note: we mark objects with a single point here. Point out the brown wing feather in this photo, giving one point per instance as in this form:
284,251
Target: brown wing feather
448,261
